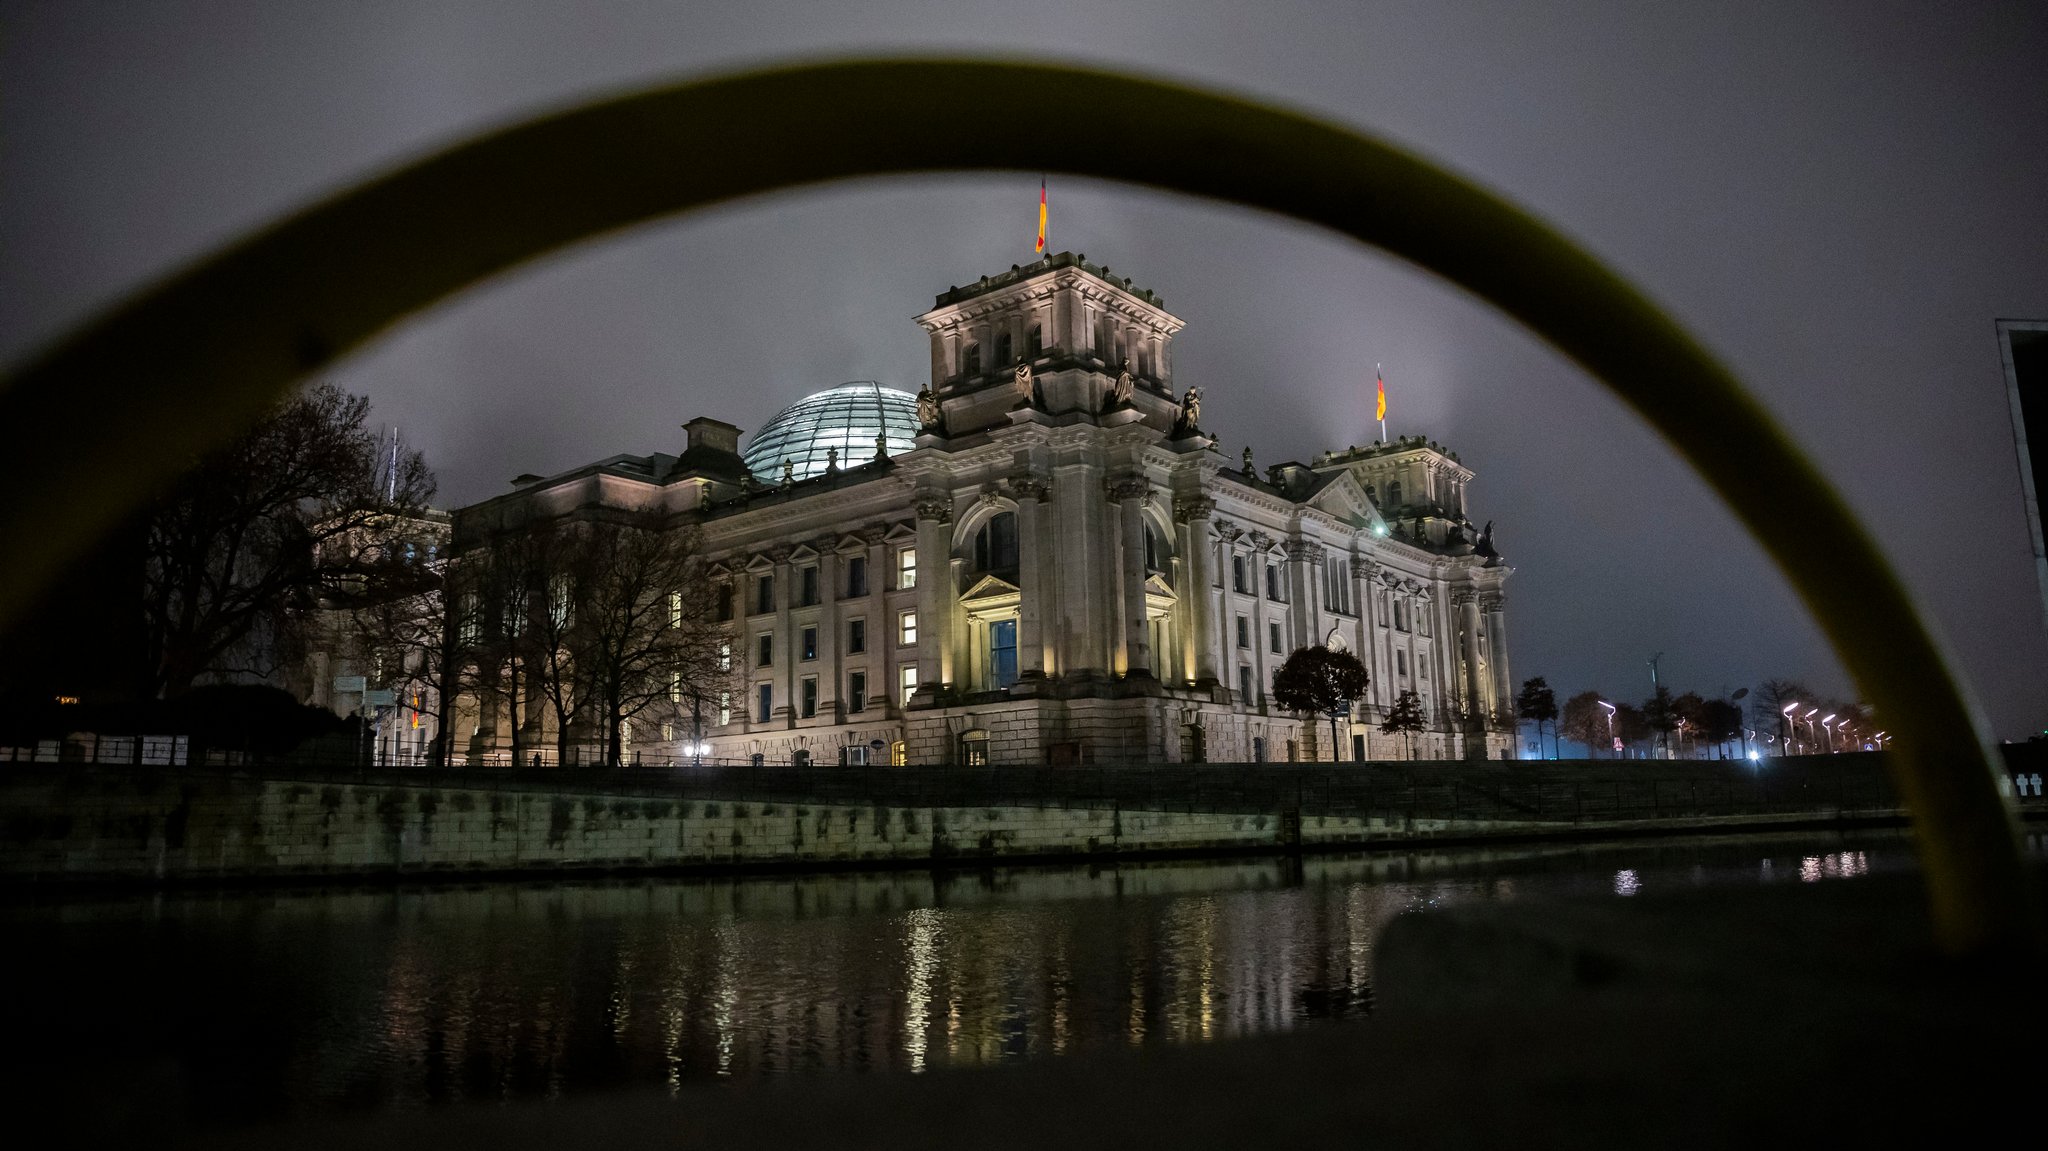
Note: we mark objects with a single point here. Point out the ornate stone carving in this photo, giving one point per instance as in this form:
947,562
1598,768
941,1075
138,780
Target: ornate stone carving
1261,541
1029,486
1125,386
1305,550
1122,488
1227,531
1187,508
1492,603
1248,470
1463,596
935,508
874,533
1190,411
929,414
988,498
1024,385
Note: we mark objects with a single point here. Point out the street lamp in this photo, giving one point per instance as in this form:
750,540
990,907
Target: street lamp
1809,723
1826,725
1611,741
1784,724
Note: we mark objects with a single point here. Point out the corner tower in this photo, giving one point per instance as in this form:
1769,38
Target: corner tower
1074,324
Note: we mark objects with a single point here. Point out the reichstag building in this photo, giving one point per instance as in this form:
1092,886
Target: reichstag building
1043,557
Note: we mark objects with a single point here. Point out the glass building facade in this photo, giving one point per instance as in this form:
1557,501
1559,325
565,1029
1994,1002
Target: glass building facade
847,417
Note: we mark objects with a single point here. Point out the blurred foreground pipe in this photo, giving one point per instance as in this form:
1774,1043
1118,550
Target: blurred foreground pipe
100,420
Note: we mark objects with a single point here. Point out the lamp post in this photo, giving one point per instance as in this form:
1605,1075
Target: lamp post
1610,725
1785,722
1827,725
1810,725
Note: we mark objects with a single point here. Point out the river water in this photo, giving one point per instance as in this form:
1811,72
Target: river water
210,1008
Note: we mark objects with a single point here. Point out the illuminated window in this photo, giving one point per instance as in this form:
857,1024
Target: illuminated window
725,707
725,656
906,628
675,687
907,683
906,568
675,609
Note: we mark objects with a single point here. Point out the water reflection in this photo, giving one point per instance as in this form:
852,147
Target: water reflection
285,1002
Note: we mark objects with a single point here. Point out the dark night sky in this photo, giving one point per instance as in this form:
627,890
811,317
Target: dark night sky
1839,199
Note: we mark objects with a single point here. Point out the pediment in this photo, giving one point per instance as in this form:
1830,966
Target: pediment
900,532
850,545
803,552
1156,585
990,587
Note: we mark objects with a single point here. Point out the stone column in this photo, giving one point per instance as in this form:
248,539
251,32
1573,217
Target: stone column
1087,641
881,646
934,598
1497,653
1195,514
1032,585
784,644
1305,580
1129,493
1468,646
829,674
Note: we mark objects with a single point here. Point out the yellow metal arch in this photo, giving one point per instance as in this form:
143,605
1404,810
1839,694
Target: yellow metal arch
103,417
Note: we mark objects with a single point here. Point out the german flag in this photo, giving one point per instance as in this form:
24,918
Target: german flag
1381,381
1041,217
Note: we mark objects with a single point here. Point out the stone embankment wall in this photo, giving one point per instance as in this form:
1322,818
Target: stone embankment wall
121,826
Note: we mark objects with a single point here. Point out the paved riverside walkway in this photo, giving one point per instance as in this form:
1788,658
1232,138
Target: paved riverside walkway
1787,1015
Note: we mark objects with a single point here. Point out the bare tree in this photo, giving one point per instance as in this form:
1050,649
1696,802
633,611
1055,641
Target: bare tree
644,620
1586,721
1405,717
497,618
239,550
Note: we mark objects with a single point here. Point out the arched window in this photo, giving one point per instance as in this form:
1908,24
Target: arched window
1034,342
995,545
1155,551
1003,357
1394,494
971,360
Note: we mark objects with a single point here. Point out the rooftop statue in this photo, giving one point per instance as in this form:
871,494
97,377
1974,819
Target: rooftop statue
1023,383
928,413
1191,415
1120,392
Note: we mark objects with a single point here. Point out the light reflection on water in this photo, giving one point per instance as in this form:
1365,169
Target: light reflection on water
257,1004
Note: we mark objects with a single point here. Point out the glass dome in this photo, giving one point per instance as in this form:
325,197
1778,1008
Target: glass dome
847,417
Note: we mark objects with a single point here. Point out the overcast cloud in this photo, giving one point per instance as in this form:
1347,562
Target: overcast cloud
1839,198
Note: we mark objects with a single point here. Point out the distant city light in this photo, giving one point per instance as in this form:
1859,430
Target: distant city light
1754,755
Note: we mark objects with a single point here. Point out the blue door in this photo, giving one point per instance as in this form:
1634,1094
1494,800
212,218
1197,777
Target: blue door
1002,653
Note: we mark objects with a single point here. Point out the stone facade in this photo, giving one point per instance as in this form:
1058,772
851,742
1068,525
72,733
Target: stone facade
1063,568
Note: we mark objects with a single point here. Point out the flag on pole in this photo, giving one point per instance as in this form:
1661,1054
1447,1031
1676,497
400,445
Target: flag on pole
1041,216
1381,381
